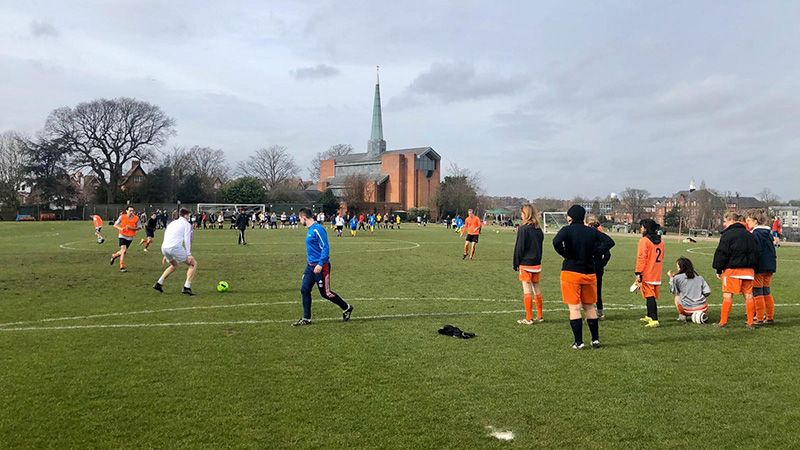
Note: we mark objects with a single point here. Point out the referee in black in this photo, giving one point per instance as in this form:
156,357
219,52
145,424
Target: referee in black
242,221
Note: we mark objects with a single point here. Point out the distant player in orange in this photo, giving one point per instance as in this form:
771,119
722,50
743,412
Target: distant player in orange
127,224
98,226
649,263
578,245
735,258
528,262
472,226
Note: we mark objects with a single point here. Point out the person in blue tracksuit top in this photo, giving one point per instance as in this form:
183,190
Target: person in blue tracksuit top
353,225
459,224
371,223
318,269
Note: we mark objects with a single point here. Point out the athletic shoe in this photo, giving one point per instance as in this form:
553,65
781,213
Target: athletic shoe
652,324
346,313
596,344
302,322
525,322
157,287
645,319
758,323
539,319
113,258
601,317
464,257
681,318
576,346
769,322
123,270
187,291
750,327
718,325
145,250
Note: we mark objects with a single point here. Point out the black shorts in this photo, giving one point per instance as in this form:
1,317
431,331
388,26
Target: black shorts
473,238
151,233
124,242
339,227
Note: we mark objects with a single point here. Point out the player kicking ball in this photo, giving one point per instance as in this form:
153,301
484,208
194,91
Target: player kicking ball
127,224
150,232
318,269
97,221
177,248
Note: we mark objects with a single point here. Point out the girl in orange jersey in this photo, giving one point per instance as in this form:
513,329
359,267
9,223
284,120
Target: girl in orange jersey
528,262
649,263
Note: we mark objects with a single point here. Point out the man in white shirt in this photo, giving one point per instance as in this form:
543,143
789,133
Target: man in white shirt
177,248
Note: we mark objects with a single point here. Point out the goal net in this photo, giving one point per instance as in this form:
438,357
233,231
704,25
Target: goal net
553,221
227,209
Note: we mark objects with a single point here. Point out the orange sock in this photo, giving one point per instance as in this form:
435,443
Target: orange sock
528,299
147,244
770,306
727,303
538,299
760,307
750,309
472,252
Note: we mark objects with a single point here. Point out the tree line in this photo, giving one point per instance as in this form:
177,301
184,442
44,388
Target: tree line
102,138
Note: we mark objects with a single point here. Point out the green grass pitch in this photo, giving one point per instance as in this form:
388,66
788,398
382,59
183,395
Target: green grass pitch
93,358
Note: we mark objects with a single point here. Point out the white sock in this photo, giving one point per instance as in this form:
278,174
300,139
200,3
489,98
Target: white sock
187,285
161,280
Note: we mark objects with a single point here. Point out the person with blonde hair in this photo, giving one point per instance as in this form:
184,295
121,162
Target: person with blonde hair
528,262
736,257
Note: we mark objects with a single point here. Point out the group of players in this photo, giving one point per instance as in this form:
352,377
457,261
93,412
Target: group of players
745,261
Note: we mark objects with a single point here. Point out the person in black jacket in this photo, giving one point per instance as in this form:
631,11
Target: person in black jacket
528,262
242,221
578,245
757,220
735,259
600,263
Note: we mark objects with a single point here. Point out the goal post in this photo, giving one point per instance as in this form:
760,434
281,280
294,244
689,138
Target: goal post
228,209
553,221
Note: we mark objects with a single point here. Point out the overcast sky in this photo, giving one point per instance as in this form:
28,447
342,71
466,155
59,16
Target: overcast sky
552,98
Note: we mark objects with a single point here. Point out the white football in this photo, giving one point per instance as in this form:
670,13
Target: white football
699,317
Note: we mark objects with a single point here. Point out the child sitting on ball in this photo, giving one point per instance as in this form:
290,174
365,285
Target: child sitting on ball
690,289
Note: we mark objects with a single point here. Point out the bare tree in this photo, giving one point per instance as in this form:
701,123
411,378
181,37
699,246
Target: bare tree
13,164
767,196
332,152
634,202
208,164
272,165
358,191
104,135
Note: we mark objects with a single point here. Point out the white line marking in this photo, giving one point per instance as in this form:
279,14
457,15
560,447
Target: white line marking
694,251
68,246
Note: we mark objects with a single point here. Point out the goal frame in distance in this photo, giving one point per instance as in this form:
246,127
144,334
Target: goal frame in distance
552,221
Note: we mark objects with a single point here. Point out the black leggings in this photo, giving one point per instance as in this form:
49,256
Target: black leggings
600,289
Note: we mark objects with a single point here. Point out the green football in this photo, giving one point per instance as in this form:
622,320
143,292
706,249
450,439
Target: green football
222,286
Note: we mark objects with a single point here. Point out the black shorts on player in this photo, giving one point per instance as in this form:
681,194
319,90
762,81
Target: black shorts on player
473,238
124,243
150,232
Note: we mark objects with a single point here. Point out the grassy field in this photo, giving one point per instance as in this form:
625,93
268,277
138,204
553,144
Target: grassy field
94,358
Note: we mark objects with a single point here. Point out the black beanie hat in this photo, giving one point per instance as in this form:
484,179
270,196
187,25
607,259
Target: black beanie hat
577,213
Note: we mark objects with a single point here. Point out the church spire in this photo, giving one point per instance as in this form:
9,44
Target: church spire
377,119
376,144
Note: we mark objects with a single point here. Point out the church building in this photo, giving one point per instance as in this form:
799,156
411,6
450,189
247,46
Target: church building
396,179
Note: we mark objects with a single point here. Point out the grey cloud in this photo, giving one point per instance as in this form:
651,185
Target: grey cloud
43,29
453,82
314,73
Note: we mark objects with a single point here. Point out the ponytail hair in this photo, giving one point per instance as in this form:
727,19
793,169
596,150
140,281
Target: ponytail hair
686,267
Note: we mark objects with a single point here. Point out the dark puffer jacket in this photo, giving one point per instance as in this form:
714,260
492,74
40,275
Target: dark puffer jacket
737,249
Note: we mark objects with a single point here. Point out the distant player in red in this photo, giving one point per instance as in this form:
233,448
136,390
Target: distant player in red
777,229
472,226
97,221
736,257
649,263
